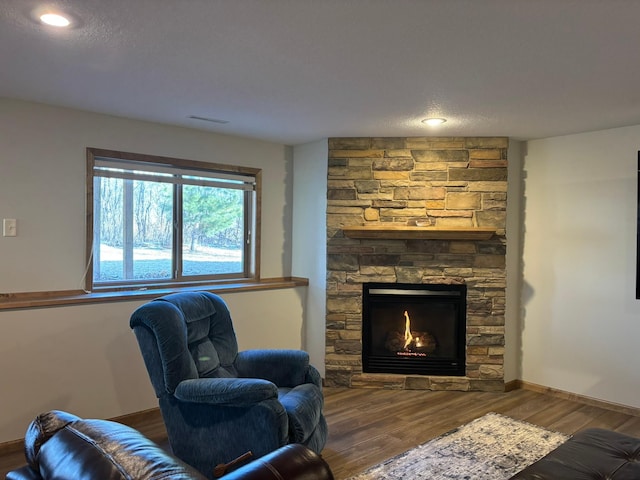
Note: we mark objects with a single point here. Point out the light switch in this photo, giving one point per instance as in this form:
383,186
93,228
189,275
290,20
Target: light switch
9,227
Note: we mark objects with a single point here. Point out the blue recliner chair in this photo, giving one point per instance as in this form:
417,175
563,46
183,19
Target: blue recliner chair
218,403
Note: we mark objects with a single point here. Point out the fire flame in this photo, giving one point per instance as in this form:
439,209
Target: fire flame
408,338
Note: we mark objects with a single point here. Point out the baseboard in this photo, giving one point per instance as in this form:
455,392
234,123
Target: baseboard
512,385
554,392
11,447
135,418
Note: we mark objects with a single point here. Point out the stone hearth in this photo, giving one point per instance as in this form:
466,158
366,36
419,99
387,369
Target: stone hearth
453,183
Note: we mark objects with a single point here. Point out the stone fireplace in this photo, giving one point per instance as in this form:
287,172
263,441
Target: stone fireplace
419,211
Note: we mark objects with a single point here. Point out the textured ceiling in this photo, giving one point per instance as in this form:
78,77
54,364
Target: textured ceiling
294,71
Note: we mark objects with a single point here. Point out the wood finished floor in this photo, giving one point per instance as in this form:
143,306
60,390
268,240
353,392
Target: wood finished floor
367,426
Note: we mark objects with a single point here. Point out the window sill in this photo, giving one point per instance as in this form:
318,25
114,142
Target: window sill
15,301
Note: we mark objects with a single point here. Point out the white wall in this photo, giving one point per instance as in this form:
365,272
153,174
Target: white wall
513,313
42,184
84,358
581,318
309,255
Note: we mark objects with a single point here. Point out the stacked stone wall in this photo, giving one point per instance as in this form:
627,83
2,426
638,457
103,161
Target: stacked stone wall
448,182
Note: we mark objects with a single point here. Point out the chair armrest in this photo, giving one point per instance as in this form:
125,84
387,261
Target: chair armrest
235,392
285,368
313,376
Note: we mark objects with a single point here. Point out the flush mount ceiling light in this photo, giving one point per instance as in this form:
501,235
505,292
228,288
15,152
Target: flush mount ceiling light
434,122
55,20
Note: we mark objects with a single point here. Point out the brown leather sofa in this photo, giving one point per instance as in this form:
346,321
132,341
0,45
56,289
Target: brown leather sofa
593,453
63,446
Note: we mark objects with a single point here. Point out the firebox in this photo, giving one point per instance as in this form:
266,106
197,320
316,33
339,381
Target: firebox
414,328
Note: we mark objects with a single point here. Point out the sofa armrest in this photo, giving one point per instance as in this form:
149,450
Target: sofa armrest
293,461
234,392
94,449
285,368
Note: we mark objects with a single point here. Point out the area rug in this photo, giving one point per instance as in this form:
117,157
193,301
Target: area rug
492,447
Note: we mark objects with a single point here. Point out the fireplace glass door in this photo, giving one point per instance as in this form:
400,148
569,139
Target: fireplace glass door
414,329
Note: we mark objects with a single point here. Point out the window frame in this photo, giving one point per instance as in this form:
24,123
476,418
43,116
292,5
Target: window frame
251,260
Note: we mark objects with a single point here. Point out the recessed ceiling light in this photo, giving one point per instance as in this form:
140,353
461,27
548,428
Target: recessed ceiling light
55,20
434,122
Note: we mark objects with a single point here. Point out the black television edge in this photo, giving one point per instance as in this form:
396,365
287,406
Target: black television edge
638,235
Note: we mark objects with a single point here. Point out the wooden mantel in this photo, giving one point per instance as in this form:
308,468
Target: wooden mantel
404,232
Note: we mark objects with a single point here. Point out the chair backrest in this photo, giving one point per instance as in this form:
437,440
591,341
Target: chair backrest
185,336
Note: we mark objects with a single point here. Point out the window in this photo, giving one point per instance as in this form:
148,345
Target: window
157,221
